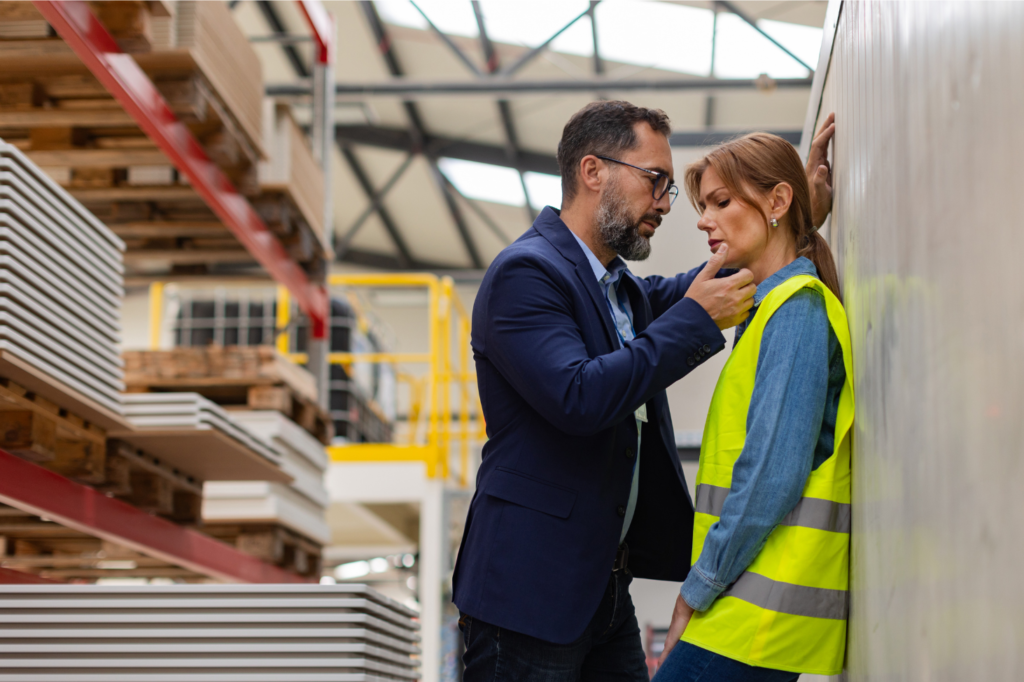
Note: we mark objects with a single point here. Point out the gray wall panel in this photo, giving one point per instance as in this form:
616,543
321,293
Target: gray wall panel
929,98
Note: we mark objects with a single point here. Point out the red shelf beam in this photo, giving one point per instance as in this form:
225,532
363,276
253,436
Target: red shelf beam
74,21
322,25
36,490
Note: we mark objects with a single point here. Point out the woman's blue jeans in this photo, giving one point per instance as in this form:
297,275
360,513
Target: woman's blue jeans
689,663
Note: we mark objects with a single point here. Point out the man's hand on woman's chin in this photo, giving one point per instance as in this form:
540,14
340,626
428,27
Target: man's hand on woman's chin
681,615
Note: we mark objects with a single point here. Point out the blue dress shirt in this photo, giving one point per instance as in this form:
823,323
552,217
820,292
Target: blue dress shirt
790,432
622,315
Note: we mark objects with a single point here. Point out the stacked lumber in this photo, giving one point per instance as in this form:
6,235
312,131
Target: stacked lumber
61,116
300,506
293,633
60,295
252,377
291,199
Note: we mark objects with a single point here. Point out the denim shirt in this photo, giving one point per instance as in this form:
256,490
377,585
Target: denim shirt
790,432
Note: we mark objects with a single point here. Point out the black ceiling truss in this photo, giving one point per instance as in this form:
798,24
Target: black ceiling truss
279,29
342,248
512,150
418,131
598,62
405,258
735,10
435,145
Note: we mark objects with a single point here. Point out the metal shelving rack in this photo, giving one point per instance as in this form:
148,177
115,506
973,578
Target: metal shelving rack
58,500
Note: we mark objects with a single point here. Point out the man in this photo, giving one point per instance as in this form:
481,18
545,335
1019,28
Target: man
580,487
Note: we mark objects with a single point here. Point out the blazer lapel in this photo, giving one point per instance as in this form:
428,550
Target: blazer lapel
586,276
642,313
551,227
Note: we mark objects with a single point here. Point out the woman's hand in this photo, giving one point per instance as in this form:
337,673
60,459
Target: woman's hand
680,618
819,173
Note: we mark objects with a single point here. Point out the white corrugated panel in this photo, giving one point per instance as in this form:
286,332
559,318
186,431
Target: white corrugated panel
204,633
61,283
926,227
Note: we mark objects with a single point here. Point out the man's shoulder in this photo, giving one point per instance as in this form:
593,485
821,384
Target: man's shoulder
531,250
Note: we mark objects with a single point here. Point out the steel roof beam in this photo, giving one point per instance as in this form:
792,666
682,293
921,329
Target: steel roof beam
479,211
448,41
598,63
417,129
736,10
404,256
378,198
279,29
411,88
436,146
707,138
504,108
529,56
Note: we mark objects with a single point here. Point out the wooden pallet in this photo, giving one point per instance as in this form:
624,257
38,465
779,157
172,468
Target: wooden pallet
144,481
237,377
272,543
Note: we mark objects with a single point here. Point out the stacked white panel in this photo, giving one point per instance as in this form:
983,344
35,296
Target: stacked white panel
193,412
61,283
205,633
300,505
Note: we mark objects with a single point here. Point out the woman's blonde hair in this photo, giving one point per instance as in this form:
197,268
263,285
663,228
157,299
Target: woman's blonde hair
759,162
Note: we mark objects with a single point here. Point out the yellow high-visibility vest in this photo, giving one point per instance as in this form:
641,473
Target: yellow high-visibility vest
788,609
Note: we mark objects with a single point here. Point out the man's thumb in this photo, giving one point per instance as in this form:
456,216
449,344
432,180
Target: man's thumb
714,263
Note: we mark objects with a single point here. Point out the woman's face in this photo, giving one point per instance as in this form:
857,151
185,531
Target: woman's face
727,219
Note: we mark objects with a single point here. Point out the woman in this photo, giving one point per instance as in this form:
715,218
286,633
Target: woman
766,598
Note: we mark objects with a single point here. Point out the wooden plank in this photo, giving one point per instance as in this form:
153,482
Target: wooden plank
189,257
102,158
140,194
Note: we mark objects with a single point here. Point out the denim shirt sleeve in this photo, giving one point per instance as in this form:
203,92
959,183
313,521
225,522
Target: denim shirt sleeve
783,425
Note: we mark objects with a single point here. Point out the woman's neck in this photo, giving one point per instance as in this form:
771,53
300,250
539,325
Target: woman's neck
773,259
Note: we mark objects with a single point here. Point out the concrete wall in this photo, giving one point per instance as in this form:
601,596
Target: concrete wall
929,98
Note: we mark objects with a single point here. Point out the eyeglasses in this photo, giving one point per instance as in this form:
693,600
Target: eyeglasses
662,183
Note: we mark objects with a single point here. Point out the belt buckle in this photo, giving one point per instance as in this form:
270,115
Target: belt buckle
621,558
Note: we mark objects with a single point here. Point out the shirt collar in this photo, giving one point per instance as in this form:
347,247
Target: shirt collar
612,274
801,266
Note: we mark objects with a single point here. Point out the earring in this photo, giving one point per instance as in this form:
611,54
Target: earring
774,222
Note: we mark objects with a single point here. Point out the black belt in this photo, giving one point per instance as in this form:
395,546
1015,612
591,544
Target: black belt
621,558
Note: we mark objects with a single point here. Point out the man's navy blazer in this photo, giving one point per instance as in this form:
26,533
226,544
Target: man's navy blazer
559,395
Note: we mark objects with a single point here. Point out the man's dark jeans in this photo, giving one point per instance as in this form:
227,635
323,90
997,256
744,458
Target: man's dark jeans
609,649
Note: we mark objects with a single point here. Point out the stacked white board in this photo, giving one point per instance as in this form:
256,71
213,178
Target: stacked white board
300,505
200,438
61,285
204,633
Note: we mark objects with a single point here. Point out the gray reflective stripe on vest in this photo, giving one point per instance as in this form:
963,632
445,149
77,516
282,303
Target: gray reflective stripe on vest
796,600
809,512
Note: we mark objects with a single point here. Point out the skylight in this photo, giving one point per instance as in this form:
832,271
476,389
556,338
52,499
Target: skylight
501,185
636,32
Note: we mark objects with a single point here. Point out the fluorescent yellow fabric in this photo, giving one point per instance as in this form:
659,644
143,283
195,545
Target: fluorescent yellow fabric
788,610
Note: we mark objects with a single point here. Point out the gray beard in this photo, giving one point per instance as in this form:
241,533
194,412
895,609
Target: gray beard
620,232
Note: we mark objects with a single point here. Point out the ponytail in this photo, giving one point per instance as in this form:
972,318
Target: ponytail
816,250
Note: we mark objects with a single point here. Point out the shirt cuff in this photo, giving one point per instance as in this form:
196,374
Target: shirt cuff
700,591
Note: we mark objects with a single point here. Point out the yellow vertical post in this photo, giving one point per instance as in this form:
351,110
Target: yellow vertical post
446,373
156,313
464,403
284,314
432,381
